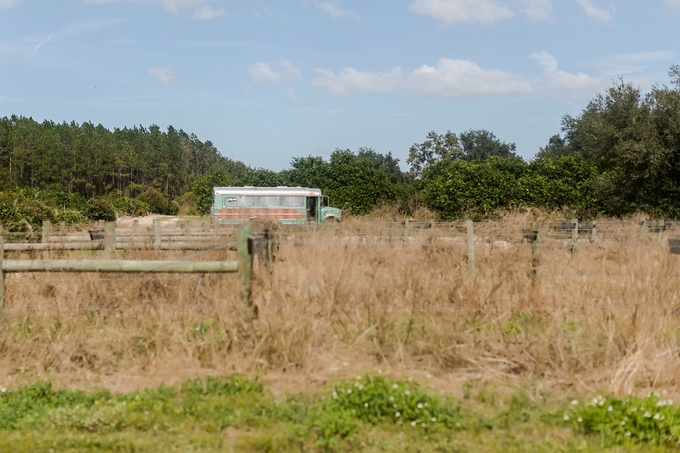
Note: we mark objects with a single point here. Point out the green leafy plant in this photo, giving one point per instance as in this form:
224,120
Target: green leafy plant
651,420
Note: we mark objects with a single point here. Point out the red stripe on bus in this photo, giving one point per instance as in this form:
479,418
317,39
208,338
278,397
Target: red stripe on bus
249,213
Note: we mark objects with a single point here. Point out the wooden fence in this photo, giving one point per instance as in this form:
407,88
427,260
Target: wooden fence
108,238
247,245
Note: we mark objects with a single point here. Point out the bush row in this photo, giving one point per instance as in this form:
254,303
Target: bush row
25,209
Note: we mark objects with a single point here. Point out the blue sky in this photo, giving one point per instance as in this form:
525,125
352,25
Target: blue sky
267,80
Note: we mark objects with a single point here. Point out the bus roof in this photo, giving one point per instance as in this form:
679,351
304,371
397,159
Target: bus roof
274,191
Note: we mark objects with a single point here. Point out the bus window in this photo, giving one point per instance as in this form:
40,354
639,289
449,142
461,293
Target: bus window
270,202
249,201
293,202
230,202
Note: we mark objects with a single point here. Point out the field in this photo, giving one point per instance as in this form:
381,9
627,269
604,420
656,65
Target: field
500,351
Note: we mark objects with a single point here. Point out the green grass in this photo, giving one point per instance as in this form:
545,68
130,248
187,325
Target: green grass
369,413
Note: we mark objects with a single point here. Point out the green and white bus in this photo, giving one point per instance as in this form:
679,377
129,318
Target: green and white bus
287,205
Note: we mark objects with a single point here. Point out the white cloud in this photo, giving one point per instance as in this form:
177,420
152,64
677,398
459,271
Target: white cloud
207,13
195,9
164,75
538,9
546,60
273,73
8,3
459,11
562,84
291,98
459,79
333,9
37,47
349,81
456,79
604,15
570,86
452,79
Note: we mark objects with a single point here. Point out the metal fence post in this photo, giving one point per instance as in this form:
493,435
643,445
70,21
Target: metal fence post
593,233
245,268
405,230
157,234
470,245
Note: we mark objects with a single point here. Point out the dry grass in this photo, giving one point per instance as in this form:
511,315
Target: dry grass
357,297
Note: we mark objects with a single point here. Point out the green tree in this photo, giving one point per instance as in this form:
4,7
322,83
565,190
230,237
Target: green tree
435,148
456,189
202,189
482,144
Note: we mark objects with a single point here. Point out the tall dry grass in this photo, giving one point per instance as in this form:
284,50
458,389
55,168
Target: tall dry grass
359,297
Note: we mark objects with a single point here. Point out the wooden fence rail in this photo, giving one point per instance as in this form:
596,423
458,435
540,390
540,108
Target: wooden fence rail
247,245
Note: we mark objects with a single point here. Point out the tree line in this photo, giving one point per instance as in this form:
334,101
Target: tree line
620,155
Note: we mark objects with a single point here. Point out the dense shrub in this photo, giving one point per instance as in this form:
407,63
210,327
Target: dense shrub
98,209
129,206
156,202
71,217
17,210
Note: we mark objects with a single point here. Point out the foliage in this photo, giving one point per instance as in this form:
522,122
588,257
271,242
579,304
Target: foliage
71,217
434,149
202,189
375,400
483,144
92,161
368,413
354,182
98,209
455,188
129,206
20,209
555,183
633,141
156,202
652,420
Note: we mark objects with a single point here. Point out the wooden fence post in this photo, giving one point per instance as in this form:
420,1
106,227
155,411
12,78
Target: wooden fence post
2,273
470,246
110,239
643,225
245,268
405,230
536,253
157,234
269,249
574,237
46,230
660,227
593,233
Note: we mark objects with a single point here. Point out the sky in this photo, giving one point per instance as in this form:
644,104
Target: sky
269,80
